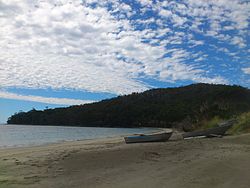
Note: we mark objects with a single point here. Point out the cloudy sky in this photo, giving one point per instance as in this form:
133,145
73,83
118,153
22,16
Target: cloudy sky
62,52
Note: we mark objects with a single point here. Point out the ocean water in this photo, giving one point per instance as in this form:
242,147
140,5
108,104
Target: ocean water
27,135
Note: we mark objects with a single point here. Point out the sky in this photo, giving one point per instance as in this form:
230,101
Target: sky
56,53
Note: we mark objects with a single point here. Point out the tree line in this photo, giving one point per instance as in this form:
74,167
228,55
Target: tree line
181,107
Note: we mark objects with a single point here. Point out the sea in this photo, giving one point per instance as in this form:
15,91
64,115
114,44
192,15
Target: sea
12,136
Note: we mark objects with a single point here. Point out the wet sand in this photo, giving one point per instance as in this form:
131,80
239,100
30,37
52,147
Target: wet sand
110,163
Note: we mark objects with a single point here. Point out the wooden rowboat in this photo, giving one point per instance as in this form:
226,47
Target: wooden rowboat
154,137
217,131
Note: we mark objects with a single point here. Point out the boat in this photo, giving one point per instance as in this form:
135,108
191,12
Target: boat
220,130
153,137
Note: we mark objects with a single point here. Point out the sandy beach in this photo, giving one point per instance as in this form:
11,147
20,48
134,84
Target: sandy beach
107,163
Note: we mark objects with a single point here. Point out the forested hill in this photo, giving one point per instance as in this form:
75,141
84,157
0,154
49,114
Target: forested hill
178,107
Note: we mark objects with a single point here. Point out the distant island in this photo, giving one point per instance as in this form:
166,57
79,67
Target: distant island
183,108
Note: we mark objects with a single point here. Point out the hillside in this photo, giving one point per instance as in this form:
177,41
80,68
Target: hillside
183,107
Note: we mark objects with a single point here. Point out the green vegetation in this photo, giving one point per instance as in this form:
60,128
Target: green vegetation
207,124
242,125
187,108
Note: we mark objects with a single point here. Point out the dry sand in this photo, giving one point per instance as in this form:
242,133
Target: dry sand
110,163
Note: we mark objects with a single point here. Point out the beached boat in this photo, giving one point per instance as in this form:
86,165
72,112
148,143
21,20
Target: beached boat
154,137
217,131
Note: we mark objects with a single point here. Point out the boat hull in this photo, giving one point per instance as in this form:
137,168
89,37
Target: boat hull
220,130
157,137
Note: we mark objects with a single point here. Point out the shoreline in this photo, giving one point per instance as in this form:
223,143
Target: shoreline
45,146
33,143
57,143
109,162
75,126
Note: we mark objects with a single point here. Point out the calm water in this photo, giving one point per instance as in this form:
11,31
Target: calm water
26,135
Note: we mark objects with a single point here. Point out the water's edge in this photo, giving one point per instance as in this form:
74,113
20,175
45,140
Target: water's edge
15,136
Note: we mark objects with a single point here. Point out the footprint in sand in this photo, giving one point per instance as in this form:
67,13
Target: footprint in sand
151,156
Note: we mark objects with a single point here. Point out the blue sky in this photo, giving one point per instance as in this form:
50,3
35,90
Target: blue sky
66,52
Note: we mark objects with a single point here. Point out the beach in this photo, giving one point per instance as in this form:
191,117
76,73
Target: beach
110,163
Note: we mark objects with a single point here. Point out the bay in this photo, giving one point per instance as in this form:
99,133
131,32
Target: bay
29,135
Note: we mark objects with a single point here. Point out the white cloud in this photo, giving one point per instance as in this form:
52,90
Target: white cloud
238,41
214,80
165,13
246,70
145,2
178,20
72,45
48,100
67,46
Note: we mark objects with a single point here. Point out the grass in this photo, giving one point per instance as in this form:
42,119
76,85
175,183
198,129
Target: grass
207,124
242,125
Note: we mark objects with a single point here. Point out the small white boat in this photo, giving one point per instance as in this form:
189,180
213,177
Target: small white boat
153,137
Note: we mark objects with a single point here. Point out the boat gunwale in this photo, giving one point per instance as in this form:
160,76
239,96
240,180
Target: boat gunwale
163,136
